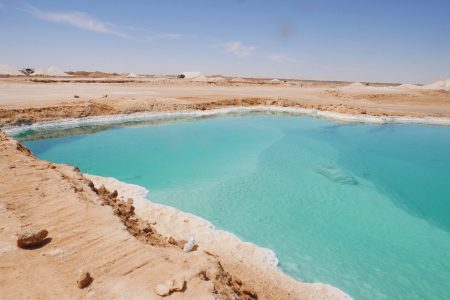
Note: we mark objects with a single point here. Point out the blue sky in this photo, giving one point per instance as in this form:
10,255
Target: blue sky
359,40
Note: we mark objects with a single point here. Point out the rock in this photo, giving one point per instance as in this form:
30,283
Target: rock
164,289
178,284
113,194
89,183
84,279
76,96
237,281
203,275
337,175
102,190
128,207
189,245
32,237
147,228
250,294
172,241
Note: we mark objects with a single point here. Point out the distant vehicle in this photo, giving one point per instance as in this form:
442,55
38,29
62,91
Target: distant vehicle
181,76
27,71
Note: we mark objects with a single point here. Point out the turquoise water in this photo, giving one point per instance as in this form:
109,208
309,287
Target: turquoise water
361,207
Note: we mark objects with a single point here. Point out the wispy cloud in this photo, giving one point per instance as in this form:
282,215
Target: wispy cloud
164,36
77,19
238,49
152,36
281,58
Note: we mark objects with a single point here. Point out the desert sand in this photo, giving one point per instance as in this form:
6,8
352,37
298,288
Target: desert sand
24,100
133,248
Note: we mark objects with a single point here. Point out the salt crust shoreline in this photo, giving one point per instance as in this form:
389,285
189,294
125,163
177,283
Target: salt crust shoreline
167,218
154,116
172,222
182,225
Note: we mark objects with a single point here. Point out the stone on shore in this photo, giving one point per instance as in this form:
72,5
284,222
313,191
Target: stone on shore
31,237
178,284
84,279
164,288
169,286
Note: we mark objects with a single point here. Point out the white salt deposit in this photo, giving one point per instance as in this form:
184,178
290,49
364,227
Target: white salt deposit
181,225
200,78
189,245
407,86
132,75
356,85
52,71
147,116
8,70
439,85
194,76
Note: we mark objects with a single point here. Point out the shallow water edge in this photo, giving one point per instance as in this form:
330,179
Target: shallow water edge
182,225
197,114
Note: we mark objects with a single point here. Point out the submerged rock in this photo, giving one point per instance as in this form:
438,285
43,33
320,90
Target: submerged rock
337,175
31,238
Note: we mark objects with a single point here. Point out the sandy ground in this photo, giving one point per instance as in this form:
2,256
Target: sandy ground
92,229
130,249
26,100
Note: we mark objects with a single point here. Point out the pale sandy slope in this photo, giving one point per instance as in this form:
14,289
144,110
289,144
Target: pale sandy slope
87,235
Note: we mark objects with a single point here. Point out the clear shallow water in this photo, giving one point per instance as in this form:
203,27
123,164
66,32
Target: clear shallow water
361,207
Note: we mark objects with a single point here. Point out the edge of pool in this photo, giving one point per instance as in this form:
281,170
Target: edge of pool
173,222
148,116
260,255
